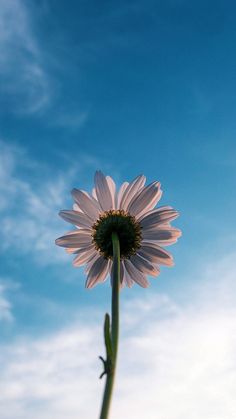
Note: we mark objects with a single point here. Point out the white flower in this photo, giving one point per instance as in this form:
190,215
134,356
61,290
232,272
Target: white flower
142,230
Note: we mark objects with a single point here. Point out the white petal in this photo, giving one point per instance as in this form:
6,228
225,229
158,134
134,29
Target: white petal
94,195
122,272
165,233
83,255
127,278
155,254
112,187
144,266
71,250
103,191
151,204
98,272
134,187
76,207
145,200
91,261
163,208
158,217
87,203
165,226
75,250
167,242
93,199
75,239
135,274
120,193
77,218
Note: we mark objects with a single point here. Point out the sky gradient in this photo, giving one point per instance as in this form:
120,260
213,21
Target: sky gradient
126,88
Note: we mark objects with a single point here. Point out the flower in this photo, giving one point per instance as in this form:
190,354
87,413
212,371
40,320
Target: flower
142,230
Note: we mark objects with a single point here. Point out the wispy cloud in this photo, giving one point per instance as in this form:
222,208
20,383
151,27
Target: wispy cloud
29,208
175,360
31,196
6,307
25,82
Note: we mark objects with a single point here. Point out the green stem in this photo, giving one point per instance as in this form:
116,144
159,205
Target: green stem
110,373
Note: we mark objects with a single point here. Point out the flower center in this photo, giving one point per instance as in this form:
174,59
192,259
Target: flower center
127,228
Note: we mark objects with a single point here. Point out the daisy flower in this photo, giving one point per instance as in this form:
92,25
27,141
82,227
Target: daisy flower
142,229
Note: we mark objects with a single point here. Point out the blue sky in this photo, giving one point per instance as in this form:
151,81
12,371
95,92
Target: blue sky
128,88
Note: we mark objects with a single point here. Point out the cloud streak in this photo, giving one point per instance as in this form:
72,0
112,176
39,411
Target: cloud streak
29,209
5,305
25,82
6,308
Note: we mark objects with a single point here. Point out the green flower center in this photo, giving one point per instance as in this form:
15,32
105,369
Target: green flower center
127,228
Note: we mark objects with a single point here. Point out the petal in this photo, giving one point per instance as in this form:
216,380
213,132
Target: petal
158,217
77,218
151,204
165,233
166,207
112,187
133,188
144,266
127,278
76,208
121,193
145,200
91,261
75,239
155,254
103,191
135,274
74,250
97,272
71,250
87,203
122,272
94,195
83,255
77,250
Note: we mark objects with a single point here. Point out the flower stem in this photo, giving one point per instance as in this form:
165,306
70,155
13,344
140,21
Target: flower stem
110,363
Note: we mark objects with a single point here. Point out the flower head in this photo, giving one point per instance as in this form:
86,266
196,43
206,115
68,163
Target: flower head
130,212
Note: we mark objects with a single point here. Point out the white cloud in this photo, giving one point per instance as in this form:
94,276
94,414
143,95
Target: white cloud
31,196
29,208
24,78
6,314
5,306
176,361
